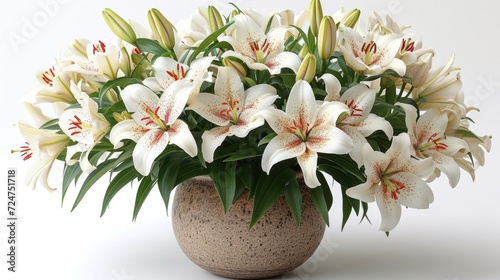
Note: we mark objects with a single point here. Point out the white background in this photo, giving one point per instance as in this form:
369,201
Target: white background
457,238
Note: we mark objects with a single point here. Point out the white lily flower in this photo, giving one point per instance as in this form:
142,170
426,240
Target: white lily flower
42,148
232,108
167,71
360,123
394,179
154,123
288,18
305,130
427,136
83,125
102,61
258,50
371,55
442,89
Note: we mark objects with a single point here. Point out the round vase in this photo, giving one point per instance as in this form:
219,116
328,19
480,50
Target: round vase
222,243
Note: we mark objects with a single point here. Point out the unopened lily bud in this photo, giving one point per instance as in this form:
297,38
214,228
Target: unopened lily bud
315,16
125,65
163,30
142,66
351,18
119,26
303,51
307,69
236,64
327,37
214,19
124,115
112,96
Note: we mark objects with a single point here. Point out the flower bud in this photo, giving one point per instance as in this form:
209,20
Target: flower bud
142,67
124,115
125,64
214,19
327,37
351,18
119,26
163,30
236,64
303,51
307,68
315,16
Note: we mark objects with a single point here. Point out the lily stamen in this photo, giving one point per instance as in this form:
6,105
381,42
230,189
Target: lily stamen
25,150
77,125
177,74
48,76
101,47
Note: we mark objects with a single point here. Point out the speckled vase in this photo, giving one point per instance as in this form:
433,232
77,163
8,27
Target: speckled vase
223,245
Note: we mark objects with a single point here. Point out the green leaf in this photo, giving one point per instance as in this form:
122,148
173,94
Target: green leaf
71,172
219,45
119,181
244,153
293,196
468,134
145,187
191,167
390,94
246,174
223,175
51,124
207,42
288,79
322,198
267,138
119,82
348,204
92,178
268,189
310,46
167,178
150,46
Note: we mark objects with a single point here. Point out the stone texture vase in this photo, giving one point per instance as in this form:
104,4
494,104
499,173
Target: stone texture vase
223,245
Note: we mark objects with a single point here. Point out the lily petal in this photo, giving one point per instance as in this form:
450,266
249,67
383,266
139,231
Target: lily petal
364,192
390,210
127,129
373,123
301,103
447,165
332,87
283,146
148,148
181,136
360,100
329,139
415,194
308,164
210,106
211,140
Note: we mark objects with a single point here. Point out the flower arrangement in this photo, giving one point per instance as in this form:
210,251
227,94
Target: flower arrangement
251,101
